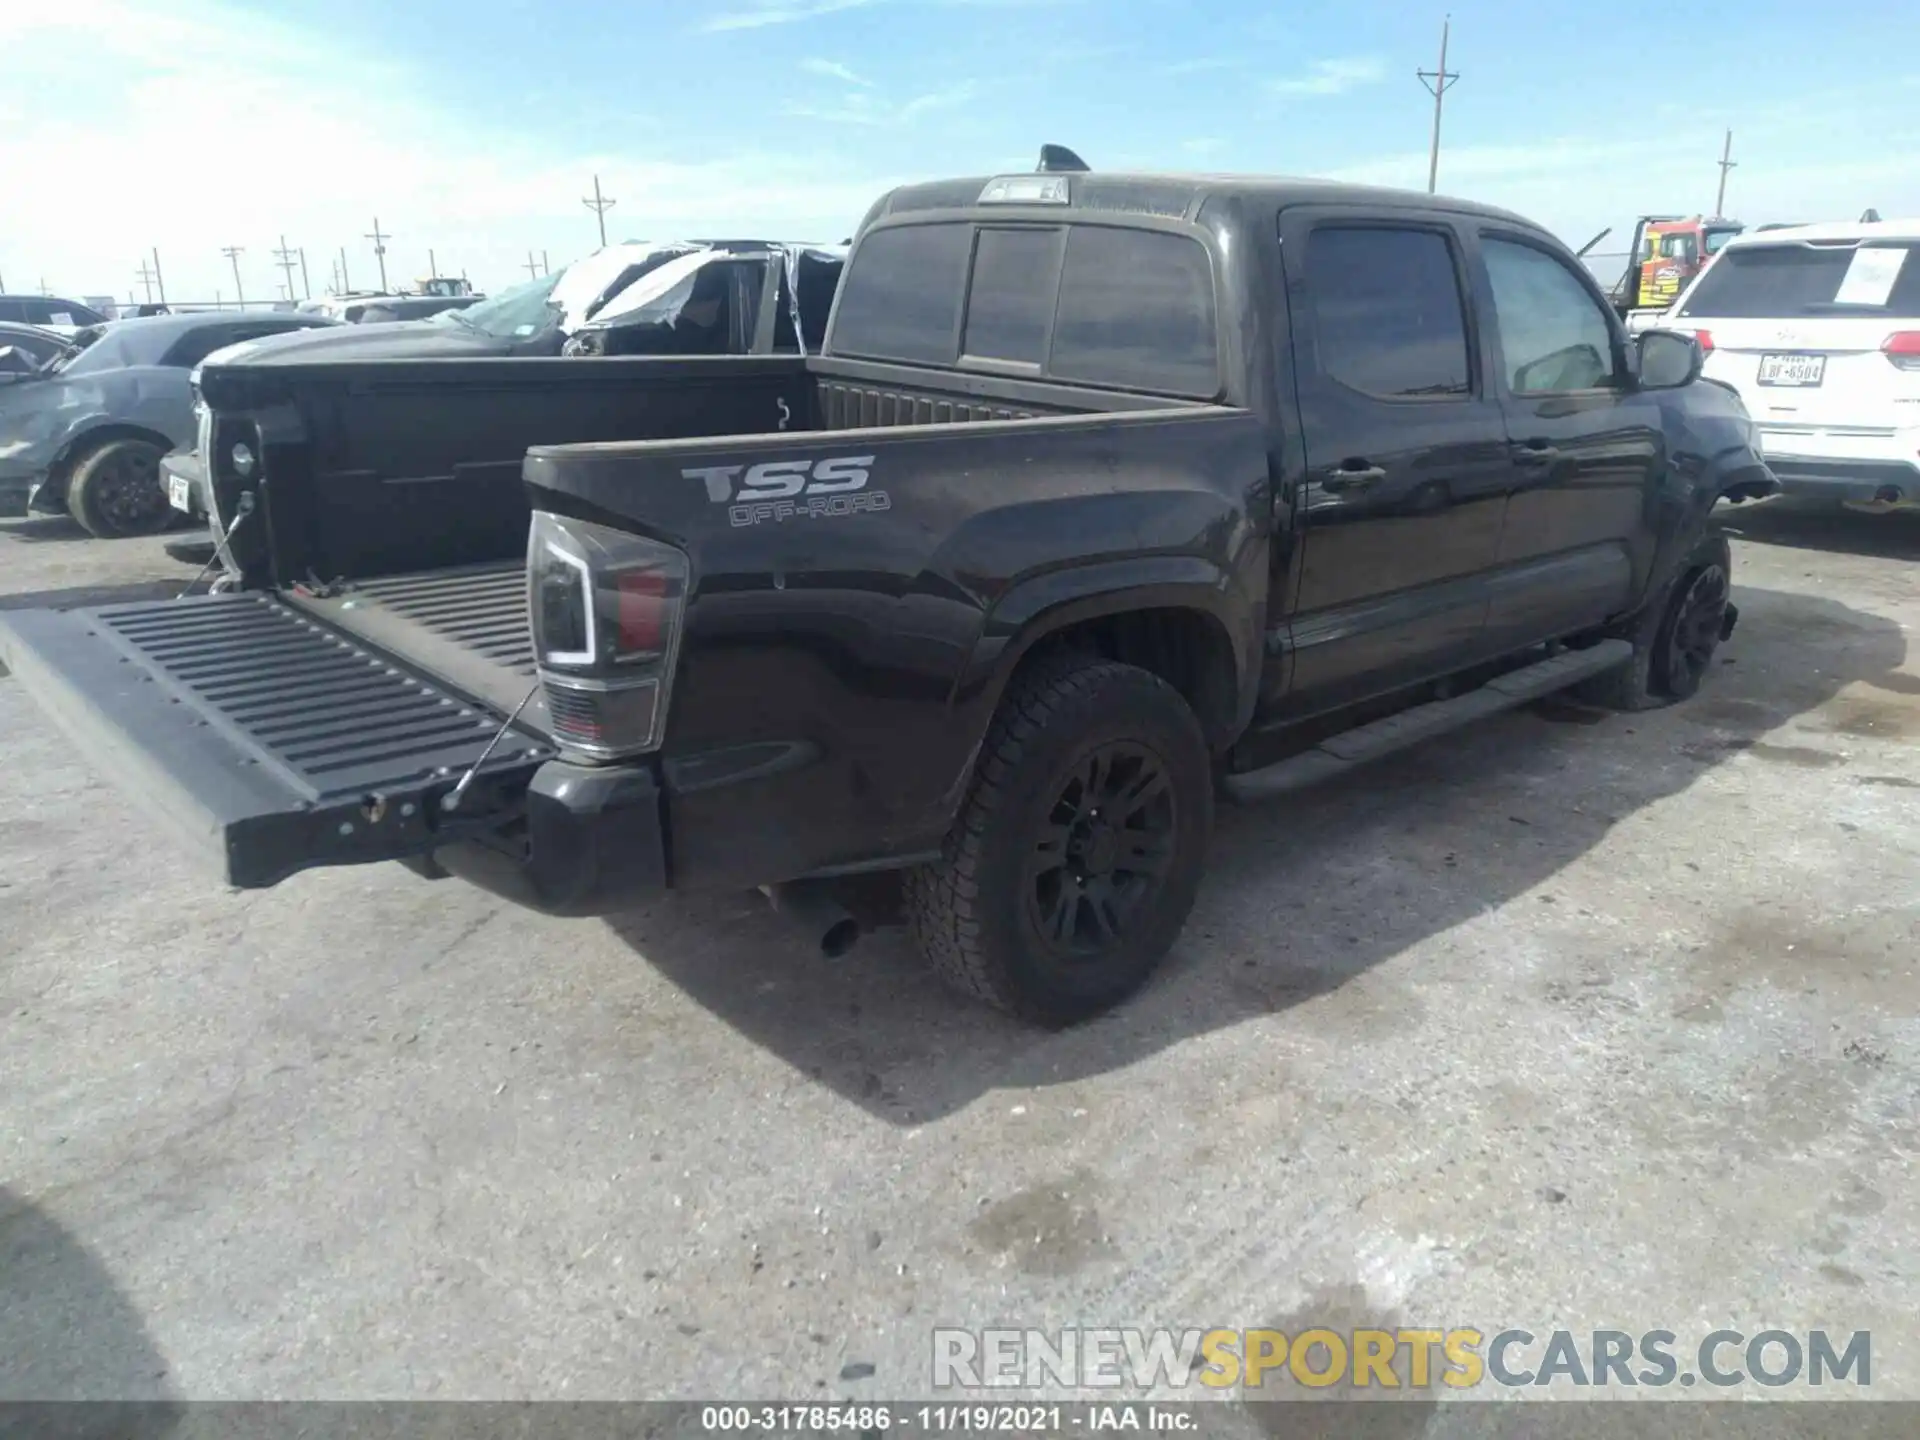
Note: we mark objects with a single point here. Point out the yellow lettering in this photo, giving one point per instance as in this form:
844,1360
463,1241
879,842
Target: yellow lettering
1464,1365
1266,1350
1302,1367
1218,1349
1422,1343
1373,1352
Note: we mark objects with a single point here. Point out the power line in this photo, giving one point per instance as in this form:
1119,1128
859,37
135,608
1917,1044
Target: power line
380,251
600,204
1727,162
233,254
1438,82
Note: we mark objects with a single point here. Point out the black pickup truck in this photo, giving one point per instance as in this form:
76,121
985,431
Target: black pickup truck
1109,495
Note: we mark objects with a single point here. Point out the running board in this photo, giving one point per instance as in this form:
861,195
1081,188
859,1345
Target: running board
1351,748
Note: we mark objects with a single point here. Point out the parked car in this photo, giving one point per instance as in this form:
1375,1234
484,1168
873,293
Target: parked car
1106,491
1817,328
436,446
85,436
49,312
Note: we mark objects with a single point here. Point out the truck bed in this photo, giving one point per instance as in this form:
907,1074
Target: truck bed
466,626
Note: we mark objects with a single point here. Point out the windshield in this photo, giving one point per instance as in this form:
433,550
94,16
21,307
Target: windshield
1795,280
511,315
1717,239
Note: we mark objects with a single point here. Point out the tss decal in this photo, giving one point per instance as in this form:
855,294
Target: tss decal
784,489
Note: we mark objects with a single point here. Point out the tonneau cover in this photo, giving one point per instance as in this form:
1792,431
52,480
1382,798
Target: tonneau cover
266,735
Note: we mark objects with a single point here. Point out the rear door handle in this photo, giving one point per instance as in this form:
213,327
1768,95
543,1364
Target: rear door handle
1352,478
1535,452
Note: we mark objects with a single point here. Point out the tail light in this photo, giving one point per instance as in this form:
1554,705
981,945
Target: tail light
1902,348
1704,338
606,609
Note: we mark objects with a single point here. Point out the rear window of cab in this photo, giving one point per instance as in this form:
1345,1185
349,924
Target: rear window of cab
1104,305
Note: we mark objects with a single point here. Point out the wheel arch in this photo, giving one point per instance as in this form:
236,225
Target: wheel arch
1178,617
84,442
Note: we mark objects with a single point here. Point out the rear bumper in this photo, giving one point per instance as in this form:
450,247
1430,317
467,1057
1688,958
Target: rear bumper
593,842
1887,482
184,465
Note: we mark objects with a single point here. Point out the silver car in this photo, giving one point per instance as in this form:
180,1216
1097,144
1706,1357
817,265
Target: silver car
85,434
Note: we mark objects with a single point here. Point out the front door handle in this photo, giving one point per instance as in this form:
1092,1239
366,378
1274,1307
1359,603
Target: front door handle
1535,452
1347,478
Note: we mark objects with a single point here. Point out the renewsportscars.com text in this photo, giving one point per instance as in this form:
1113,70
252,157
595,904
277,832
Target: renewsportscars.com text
1459,1358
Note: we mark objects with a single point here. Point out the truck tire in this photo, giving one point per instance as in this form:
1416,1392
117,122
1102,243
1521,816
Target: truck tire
115,490
1077,854
1674,636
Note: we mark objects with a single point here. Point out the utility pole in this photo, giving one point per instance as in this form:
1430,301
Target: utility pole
1438,82
285,258
380,251
146,278
545,268
159,282
306,285
533,267
600,204
233,253
433,265
1727,162
345,283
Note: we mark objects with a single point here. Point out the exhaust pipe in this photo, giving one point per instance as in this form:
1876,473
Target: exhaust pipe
824,921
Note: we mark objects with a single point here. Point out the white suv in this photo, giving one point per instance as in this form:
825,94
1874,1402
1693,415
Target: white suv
1818,329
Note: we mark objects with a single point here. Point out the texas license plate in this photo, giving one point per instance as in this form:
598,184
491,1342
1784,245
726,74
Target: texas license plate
177,493
1792,369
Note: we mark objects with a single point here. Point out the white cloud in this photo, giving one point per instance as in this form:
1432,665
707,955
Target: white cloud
1333,77
758,14
834,70
222,128
761,13
859,107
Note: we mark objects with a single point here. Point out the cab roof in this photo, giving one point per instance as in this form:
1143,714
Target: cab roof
1178,196
1831,230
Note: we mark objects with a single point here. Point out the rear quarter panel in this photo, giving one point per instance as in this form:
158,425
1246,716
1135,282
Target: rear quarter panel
838,670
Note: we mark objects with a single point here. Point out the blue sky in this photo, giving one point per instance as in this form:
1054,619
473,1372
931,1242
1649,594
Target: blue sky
473,128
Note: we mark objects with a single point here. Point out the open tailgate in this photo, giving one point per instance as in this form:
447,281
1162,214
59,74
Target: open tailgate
265,735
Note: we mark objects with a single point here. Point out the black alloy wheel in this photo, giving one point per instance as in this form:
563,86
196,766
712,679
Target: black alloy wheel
1694,629
1105,849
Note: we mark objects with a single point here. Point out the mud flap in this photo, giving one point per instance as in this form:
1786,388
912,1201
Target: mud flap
264,737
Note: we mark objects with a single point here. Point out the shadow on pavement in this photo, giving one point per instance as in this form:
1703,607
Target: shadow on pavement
1343,877
43,529
1812,525
68,1333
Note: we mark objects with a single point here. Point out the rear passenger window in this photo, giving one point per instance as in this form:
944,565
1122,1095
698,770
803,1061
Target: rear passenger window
1387,314
1136,310
1010,306
901,298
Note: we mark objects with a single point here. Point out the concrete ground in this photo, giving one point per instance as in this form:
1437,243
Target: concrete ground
1573,1021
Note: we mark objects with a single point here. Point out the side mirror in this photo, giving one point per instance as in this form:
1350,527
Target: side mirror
15,364
1668,359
